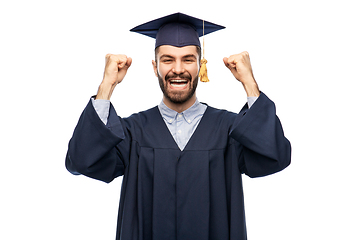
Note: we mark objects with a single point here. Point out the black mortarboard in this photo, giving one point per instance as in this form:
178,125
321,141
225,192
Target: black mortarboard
177,30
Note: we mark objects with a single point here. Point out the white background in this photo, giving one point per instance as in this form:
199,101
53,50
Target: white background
305,57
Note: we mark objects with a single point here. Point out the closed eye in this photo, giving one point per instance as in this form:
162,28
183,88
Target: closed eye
189,58
166,59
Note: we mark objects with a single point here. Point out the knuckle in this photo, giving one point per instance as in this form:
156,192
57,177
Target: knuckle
112,57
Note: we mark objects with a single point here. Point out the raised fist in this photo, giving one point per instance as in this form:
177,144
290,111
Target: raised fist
240,67
116,68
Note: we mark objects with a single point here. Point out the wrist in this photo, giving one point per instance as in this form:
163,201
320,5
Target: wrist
252,89
105,91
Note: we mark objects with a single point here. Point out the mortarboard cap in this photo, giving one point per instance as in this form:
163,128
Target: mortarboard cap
177,30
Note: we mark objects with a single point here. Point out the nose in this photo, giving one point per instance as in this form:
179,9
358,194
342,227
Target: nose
178,68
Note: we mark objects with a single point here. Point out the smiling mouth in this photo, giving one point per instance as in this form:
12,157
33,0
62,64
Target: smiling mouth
178,82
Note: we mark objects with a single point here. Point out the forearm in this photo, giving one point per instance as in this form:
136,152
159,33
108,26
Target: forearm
105,91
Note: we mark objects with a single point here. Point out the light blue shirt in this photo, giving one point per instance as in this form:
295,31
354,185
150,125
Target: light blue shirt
181,125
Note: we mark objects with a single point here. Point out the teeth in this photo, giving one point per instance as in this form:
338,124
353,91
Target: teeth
173,84
179,81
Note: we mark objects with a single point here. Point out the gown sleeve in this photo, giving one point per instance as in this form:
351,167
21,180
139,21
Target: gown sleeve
265,148
93,149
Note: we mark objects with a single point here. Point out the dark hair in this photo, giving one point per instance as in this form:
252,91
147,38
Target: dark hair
198,49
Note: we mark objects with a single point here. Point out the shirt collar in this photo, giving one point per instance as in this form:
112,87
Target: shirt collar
189,114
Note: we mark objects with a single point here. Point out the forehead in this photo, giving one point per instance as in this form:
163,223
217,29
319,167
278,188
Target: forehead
177,51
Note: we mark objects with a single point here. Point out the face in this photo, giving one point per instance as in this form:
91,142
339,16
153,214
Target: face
177,70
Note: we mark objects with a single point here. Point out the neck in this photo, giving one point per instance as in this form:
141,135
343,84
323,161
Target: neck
179,107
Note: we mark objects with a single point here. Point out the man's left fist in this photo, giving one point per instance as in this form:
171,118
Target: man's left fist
240,66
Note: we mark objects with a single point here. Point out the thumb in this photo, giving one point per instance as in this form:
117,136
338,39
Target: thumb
226,62
128,62
231,66
125,63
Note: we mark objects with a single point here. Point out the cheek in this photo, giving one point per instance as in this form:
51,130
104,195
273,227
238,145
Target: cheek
194,71
162,72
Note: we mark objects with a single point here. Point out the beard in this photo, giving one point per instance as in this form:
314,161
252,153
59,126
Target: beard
178,97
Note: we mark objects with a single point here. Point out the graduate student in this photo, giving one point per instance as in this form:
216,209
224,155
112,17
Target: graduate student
181,161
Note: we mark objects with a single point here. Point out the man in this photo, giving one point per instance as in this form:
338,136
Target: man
182,160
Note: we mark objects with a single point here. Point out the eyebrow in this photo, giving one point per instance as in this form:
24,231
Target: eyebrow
166,56
189,56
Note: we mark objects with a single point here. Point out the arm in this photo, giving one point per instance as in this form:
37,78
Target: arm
265,148
258,130
93,149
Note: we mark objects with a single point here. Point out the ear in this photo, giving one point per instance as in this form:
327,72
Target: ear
155,68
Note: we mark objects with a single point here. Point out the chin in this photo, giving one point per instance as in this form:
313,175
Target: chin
178,95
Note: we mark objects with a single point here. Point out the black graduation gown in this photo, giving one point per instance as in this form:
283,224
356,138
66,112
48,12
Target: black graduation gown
180,195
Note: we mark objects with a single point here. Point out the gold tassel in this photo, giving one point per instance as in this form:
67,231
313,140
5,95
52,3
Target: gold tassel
203,71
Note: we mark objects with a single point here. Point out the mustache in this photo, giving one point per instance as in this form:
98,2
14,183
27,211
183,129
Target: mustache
186,76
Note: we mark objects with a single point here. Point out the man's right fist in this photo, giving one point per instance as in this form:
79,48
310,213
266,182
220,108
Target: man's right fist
115,70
